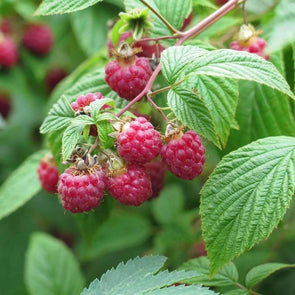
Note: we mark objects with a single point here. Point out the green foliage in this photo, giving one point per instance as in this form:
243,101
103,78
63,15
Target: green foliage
51,268
226,276
21,186
48,7
260,272
141,276
246,196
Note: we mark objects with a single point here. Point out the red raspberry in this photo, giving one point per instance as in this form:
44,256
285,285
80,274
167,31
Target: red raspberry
199,249
85,100
221,2
6,26
185,155
48,174
53,77
139,142
81,190
128,81
8,52
5,104
157,172
187,21
149,49
38,39
128,74
132,187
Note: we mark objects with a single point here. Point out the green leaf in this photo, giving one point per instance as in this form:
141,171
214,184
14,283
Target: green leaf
260,272
246,196
205,3
70,138
48,7
117,233
83,119
21,185
192,111
93,21
228,275
104,129
174,11
223,63
58,117
164,210
183,290
51,269
220,95
261,112
96,106
140,276
237,292
278,30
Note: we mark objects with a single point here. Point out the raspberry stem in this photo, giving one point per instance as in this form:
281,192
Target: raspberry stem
193,32
157,108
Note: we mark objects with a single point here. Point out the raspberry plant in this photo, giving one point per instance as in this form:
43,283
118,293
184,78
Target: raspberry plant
183,109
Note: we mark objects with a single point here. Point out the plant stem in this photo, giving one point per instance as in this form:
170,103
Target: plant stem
176,36
95,145
157,108
164,20
193,32
244,288
165,88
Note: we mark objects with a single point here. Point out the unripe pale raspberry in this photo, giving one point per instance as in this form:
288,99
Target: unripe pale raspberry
157,172
85,100
81,191
53,77
38,39
185,155
8,52
48,174
132,187
139,142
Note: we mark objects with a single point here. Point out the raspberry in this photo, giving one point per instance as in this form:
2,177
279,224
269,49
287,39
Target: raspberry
8,52
221,2
38,39
81,190
187,21
139,142
48,174
184,155
5,104
132,187
6,26
128,74
149,49
53,77
85,100
157,172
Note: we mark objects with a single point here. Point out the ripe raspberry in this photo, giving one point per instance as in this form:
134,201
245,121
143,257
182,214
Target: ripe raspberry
6,26
132,187
85,100
128,74
221,2
149,49
199,249
81,190
8,52
53,77
38,39
157,172
5,104
48,174
139,142
184,155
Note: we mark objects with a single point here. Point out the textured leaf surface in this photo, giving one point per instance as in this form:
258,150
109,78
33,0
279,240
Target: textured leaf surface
51,269
137,276
21,185
173,10
183,290
57,6
260,272
246,196
261,112
228,275
223,63
117,233
190,109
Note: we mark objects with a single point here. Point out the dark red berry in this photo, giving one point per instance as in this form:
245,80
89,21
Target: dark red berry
53,77
187,21
157,172
139,142
8,52
130,187
81,191
5,104
6,26
184,156
48,174
38,38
